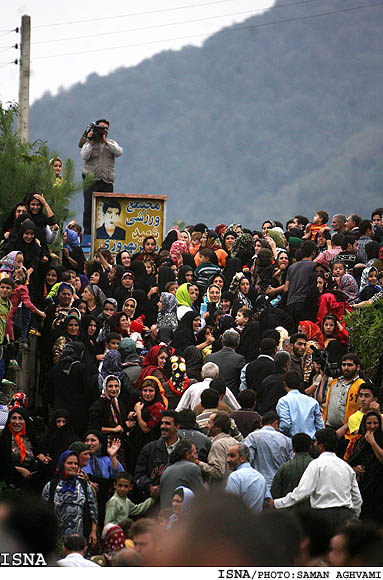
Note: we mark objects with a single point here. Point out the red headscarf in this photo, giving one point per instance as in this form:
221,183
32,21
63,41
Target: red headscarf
312,331
19,440
150,365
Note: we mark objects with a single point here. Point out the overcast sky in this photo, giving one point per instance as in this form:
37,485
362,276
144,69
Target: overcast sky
102,36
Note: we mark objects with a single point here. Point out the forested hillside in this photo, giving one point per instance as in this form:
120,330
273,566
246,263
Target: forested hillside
261,121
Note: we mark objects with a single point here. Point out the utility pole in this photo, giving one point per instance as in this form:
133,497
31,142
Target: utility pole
25,53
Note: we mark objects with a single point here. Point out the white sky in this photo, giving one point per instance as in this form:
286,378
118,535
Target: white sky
120,34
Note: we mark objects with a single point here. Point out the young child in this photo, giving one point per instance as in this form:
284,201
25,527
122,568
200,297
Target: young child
206,269
119,507
20,295
195,244
320,220
6,288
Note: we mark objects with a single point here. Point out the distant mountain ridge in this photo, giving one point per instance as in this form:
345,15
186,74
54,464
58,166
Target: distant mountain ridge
260,122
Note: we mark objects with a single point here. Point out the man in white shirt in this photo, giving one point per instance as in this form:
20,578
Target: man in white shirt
329,482
192,396
75,548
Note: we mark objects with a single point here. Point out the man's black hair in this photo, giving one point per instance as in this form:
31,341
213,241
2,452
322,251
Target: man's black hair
269,418
103,121
112,336
268,346
307,248
219,385
346,241
296,336
111,203
222,420
246,398
210,398
301,443
369,387
328,438
124,475
170,413
187,418
364,226
74,542
292,380
336,239
351,356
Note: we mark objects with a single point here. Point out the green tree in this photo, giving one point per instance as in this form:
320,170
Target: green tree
25,168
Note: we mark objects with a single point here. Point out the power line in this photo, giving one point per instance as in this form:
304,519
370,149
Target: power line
103,18
225,30
97,35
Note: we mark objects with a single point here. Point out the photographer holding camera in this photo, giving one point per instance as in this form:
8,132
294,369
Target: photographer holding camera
98,154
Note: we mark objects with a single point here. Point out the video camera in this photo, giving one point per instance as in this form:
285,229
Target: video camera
97,130
322,358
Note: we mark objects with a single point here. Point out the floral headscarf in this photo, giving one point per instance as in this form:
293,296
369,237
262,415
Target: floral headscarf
177,248
113,401
113,540
18,401
179,381
70,482
9,261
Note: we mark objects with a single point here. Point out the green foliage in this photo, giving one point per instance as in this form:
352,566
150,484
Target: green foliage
366,333
25,168
8,491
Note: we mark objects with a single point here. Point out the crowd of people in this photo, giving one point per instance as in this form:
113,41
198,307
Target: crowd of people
198,399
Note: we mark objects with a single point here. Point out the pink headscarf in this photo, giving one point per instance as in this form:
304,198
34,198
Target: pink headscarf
177,248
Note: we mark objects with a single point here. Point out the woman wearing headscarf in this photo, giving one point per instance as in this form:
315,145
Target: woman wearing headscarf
172,236
73,257
184,300
211,303
185,275
112,541
167,315
367,462
9,223
72,499
124,259
112,366
228,240
148,252
186,333
109,307
108,414
194,363
46,222
178,382
124,287
245,294
314,338
58,439
69,333
95,298
10,262
368,284
17,449
177,249
147,416
141,278
145,307
25,243
153,365
70,386
97,276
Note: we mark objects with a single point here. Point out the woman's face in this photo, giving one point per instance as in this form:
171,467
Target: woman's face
127,281
257,246
159,306
60,422
35,206
87,295
77,284
265,227
196,324
57,167
218,280
108,310
372,424
93,443
177,502
111,274
28,236
129,308
113,388
124,323
184,237
214,295
193,293
244,286
320,285
148,268
321,239
225,304
92,328
17,422
20,210
125,259
148,393
317,367
161,360
19,261
229,241
189,276
82,308
65,297
71,466
73,327
283,261
150,246
372,277
328,327
95,278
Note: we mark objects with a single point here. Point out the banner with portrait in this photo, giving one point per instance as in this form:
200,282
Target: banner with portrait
121,221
